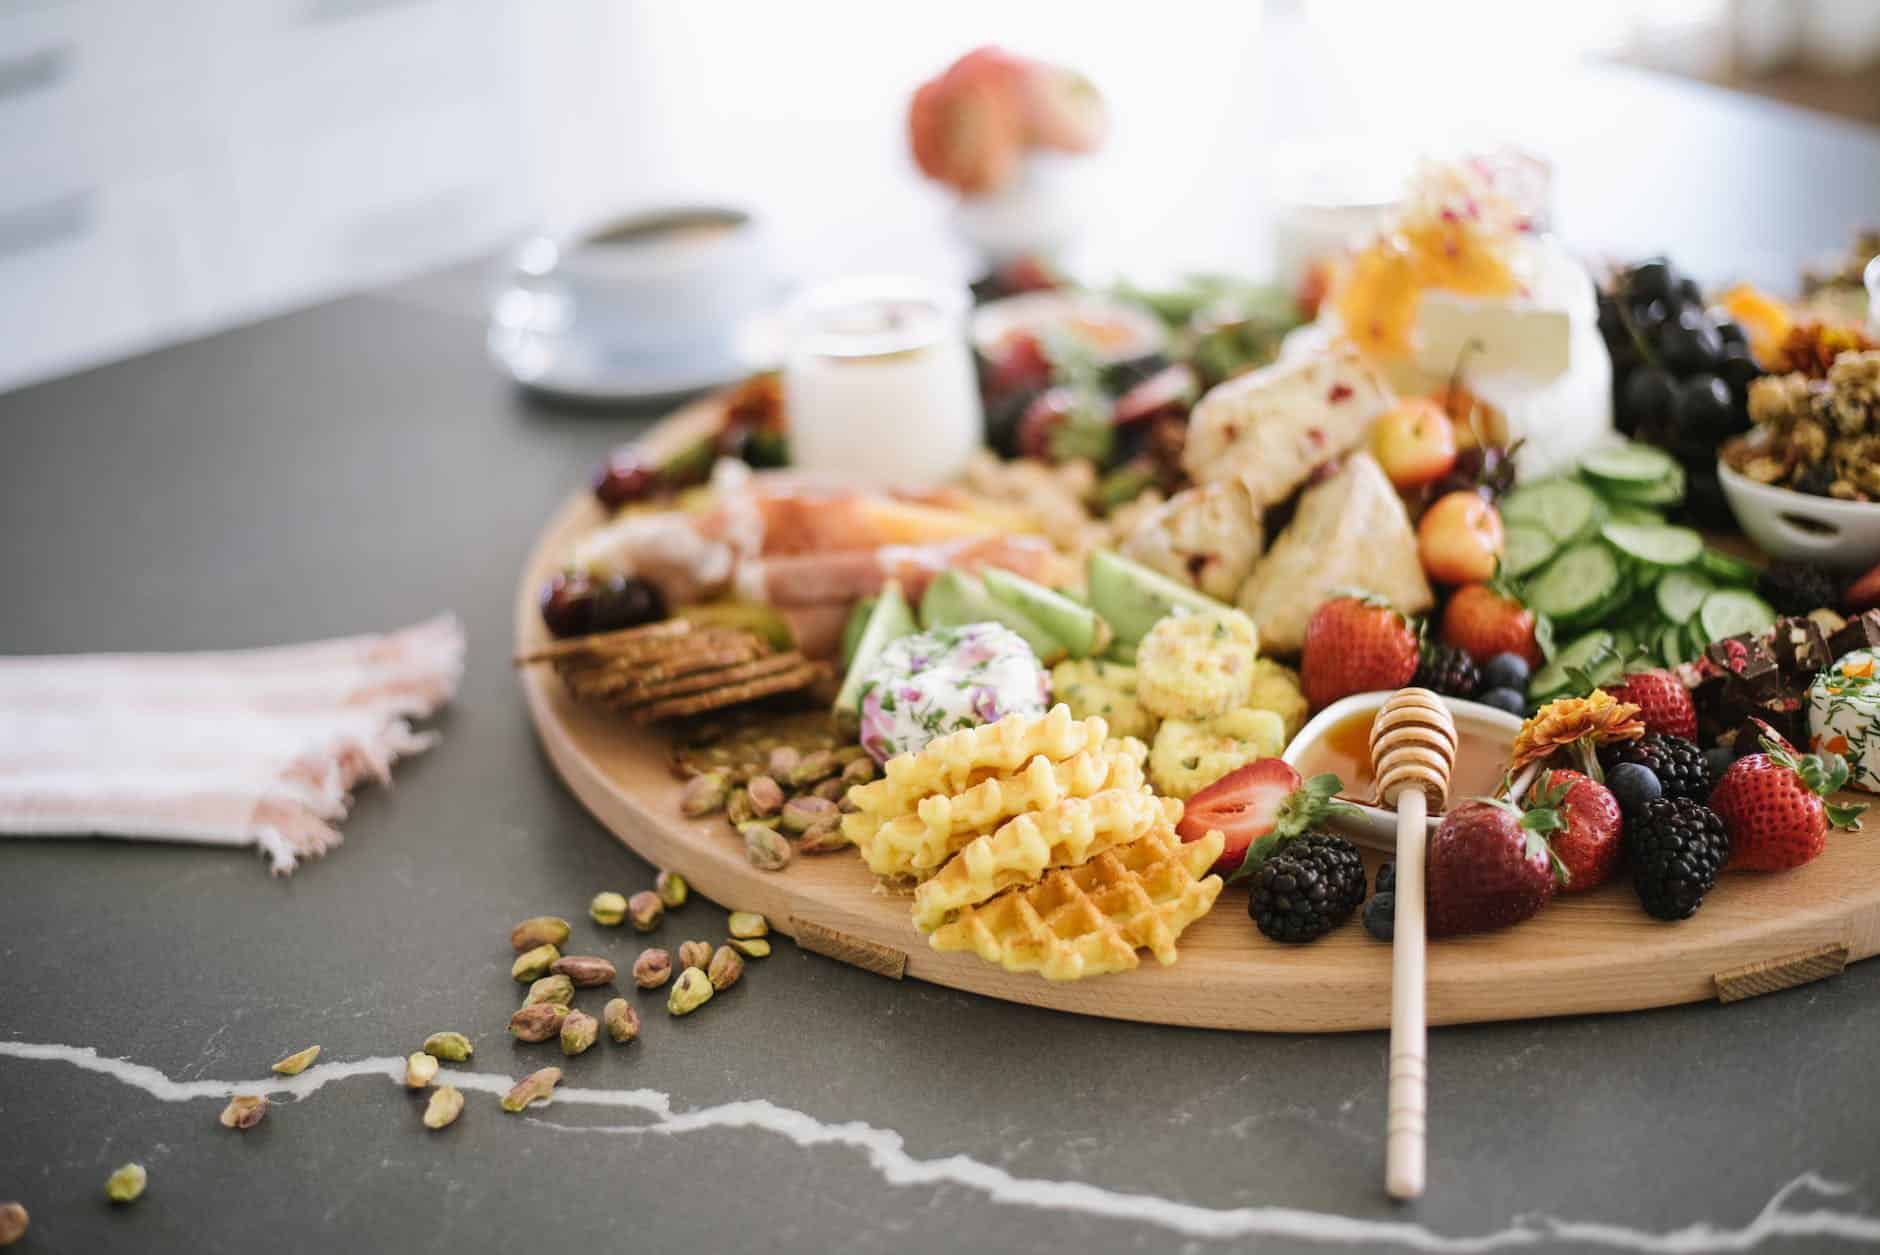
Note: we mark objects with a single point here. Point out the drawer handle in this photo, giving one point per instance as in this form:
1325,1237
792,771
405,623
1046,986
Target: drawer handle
1770,975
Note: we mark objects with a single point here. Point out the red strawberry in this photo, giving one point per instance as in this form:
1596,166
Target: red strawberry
1485,870
1863,593
1355,645
1772,805
1662,700
1485,620
1262,800
1580,819
1018,365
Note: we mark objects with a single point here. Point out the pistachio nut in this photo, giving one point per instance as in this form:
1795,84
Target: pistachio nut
750,947
782,761
726,966
556,988
766,796
126,1185
13,1223
747,924
584,970
538,1021
825,837
691,991
800,814
534,1087
851,752
542,930
645,910
652,969
859,771
451,1047
532,965
738,808
578,1032
445,1106
672,889
420,1069
704,795
766,848
297,1062
608,909
244,1111
832,790
817,765
695,954
623,1022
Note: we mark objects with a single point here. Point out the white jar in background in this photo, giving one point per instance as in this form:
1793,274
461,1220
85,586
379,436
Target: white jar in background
878,382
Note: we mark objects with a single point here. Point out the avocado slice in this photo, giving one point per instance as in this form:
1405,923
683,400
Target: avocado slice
1133,599
888,621
1081,629
853,629
955,599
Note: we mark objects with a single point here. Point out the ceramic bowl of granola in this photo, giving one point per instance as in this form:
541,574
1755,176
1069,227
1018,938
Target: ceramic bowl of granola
1793,526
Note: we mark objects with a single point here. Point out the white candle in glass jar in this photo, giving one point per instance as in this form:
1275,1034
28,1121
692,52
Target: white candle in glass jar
878,383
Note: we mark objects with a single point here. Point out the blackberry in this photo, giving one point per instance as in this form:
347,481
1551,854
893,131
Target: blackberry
1679,764
1816,479
1308,886
1798,587
1447,670
1677,847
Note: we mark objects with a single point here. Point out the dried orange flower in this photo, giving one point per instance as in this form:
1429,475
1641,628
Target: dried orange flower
1811,347
1567,722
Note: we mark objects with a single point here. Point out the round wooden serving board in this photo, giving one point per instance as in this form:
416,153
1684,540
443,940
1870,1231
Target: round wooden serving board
1597,952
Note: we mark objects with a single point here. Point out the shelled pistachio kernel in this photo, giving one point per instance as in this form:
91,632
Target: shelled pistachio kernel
585,970
800,814
623,1022
297,1062
13,1223
579,1031
823,838
534,1087
764,847
738,807
691,991
694,954
532,965
765,796
672,889
726,966
420,1069
832,790
816,765
859,771
608,909
541,930
244,1111
750,947
747,924
704,795
126,1185
551,989
445,1106
645,910
451,1047
537,1022
782,760
652,969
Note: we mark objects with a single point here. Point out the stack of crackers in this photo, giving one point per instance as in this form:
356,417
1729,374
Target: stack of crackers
675,668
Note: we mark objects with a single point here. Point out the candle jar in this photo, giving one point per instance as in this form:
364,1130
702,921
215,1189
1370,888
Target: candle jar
878,382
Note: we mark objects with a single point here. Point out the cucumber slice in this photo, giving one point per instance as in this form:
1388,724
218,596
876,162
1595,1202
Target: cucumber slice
1629,464
1694,638
1727,568
1579,584
1672,649
1081,629
1665,492
955,599
1732,612
888,622
1525,548
1582,651
1624,513
1132,598
1680,593
1562,508
853,629
1661,545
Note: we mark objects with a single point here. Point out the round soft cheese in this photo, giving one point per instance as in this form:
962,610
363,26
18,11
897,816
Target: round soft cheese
1844,716
945,679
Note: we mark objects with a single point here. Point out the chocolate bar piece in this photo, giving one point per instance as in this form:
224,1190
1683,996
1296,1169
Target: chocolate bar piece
1748,659
1801,649
1860,632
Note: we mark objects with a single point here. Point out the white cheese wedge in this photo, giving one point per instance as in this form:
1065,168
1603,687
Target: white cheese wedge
1844,716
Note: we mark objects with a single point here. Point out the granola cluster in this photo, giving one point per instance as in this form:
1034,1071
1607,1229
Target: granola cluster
1816,434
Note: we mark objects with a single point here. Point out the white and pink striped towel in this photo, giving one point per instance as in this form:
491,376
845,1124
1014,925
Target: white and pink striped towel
257,747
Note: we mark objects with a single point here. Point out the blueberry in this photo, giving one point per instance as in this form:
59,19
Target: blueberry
1380,916
1633,784
1386,877
1511,700
1505,671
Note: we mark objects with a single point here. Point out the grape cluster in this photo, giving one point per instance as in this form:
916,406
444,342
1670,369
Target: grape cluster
1680,373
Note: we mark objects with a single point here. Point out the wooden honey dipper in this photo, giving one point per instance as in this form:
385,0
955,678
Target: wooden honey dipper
1413,747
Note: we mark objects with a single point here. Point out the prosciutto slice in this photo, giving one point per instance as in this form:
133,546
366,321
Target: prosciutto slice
256,747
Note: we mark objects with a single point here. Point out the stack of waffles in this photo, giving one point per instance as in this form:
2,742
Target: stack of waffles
1035,844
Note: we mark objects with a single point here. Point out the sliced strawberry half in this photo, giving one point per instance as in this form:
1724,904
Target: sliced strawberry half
1254,807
